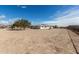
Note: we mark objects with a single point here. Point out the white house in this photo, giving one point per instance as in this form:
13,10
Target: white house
44,26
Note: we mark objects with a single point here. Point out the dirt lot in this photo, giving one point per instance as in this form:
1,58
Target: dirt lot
38,41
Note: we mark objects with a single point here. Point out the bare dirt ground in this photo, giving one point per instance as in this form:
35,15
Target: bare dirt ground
34,41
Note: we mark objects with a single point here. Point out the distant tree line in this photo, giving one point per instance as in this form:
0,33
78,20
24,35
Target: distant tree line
74,27
55,26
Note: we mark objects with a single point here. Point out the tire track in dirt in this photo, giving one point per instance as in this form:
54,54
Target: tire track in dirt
73,42
62,43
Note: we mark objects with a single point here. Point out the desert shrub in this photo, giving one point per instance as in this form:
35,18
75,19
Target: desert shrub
21,24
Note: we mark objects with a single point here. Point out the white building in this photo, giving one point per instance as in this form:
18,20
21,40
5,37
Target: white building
43,26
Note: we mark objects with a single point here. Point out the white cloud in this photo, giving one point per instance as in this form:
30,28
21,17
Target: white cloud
12,20
21,6
9,21
4,22
2,19
2,16
68,17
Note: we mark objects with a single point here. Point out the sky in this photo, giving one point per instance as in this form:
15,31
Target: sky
61,15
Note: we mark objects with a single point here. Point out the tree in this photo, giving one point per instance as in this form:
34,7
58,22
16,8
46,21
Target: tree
12,26
21,23
55,26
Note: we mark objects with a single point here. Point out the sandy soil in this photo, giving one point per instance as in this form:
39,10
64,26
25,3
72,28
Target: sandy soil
36,41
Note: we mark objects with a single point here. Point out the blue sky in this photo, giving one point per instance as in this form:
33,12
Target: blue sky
40,14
